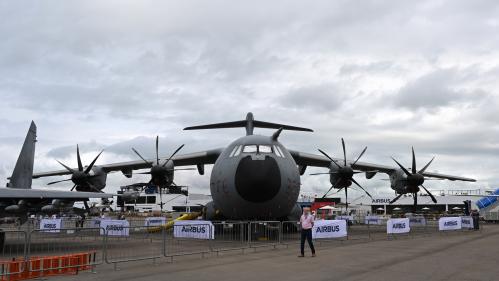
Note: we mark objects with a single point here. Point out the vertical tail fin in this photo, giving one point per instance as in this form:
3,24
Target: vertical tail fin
23,171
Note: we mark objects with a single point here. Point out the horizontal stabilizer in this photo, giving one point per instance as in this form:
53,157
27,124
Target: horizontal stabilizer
249,124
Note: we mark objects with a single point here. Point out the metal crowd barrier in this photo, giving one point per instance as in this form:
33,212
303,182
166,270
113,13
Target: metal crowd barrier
142,243
182,246
44,245
13,249
152,243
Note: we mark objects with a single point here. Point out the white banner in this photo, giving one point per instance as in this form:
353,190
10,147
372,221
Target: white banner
449,223
115,227
417,221
467,222
155,221
194,229
50,225
394,226
329,229
372,220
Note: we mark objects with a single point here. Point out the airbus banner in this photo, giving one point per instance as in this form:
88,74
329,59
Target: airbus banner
372,220
395,226
329,229
115,227
417,221
449,223
194,229
50,225
466,222
155,221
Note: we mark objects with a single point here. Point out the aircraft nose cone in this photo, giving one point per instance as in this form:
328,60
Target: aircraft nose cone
258,180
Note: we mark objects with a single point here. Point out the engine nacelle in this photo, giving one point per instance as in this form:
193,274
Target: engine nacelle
49,209
13,209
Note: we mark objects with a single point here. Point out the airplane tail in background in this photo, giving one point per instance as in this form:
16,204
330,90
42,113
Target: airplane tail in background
23,172
249,124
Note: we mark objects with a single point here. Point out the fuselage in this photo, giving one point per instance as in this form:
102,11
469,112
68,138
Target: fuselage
255,177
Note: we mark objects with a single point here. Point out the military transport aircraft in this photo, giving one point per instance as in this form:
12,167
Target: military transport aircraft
18,199
256,177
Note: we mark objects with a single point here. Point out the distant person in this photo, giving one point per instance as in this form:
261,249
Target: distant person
476,219
307,223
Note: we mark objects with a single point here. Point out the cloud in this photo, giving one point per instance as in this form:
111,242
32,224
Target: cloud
113,75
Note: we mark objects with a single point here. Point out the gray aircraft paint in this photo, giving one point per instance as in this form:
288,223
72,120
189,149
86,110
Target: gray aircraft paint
17,199
21,176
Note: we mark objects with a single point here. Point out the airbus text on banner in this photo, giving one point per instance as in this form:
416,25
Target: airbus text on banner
466,222
394,226
50,225
194,229
155,221
449,223
329,229
417,221
115,227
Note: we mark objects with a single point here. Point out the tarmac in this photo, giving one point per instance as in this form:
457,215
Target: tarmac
453,256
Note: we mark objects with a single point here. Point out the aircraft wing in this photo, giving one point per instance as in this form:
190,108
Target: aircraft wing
49,194
202,157
308,159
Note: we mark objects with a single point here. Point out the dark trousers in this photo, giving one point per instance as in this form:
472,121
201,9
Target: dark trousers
306,234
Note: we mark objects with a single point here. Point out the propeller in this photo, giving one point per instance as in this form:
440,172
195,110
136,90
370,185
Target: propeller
415,179
343,173
160,172
80,177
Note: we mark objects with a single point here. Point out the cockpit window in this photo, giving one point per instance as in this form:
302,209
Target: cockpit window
250,149
264,149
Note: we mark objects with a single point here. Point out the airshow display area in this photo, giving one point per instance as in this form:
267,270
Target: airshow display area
254,202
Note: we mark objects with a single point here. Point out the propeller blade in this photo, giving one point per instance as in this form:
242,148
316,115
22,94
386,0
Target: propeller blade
415,195
173,154
80,166
157,150
89,168
67,168
143,159
344,151
396,198
429,193
402,167
332,186
332,160
144,173
74,186
354,181
414,170
427,165
87,208
362,153
346,200
54,182
324,196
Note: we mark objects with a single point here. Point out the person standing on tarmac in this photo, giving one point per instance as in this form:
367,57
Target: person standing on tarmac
307,223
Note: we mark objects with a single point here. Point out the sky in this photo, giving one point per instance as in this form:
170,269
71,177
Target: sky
384,74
